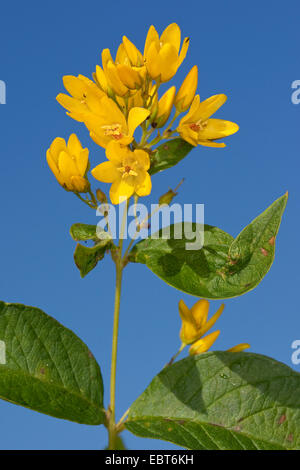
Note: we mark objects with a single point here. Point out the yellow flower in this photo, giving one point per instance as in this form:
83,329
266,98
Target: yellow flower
126,73
161,54
194,320
165,105
196,127
126,170
79,88
204,344
106,122
186,92
239,347
111,74
130,65
69,163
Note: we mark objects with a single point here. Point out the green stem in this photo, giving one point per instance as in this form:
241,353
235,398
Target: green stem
112,428
112,432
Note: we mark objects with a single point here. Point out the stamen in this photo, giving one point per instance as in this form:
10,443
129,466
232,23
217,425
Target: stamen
114,131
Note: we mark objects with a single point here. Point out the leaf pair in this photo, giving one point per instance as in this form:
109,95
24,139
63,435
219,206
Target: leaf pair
217,400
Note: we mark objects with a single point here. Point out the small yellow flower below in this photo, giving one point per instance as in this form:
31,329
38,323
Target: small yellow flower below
194,320
69,163
126,170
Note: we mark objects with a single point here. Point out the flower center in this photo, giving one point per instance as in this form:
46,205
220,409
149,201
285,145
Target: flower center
127,170
198,126
114,131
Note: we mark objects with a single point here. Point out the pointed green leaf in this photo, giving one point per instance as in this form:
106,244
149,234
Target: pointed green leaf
46,367
169,154
223,401
224,267
86,258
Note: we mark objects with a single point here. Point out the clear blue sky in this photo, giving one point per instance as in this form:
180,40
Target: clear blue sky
250,51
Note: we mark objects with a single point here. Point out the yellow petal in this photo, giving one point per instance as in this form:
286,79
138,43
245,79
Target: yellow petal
168,62
82,161
53,166
186,92
184,311
172,35
217,129
208,143
144,187
72,105
152,61
129,77
199,312
122,57
80,184
67,168
203,344
208,325
58,145
120,191
74,145
100,75
143,158
135,117
188,135
116,153
99,139
133,53
165,106
75,86
106,172
152,36
209,106
114,79
239,347
184,50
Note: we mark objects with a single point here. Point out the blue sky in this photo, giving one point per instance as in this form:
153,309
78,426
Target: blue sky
250,51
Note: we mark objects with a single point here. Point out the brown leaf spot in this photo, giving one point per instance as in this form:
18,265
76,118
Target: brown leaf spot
290,437
166,147
282,419
42,371
264,252
90,355
181,421
272,241
237,428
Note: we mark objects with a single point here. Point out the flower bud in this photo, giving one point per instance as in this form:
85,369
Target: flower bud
101,196
165,106
69,163
167,198
186,92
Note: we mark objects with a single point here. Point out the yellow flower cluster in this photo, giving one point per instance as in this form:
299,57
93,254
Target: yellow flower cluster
124,95
195,325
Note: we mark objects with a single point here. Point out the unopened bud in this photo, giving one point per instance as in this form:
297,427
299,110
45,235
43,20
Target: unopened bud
101,196
167,197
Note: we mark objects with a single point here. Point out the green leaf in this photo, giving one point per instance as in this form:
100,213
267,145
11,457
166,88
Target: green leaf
46,367
169,154
88,232
221,400
86,258
224,267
